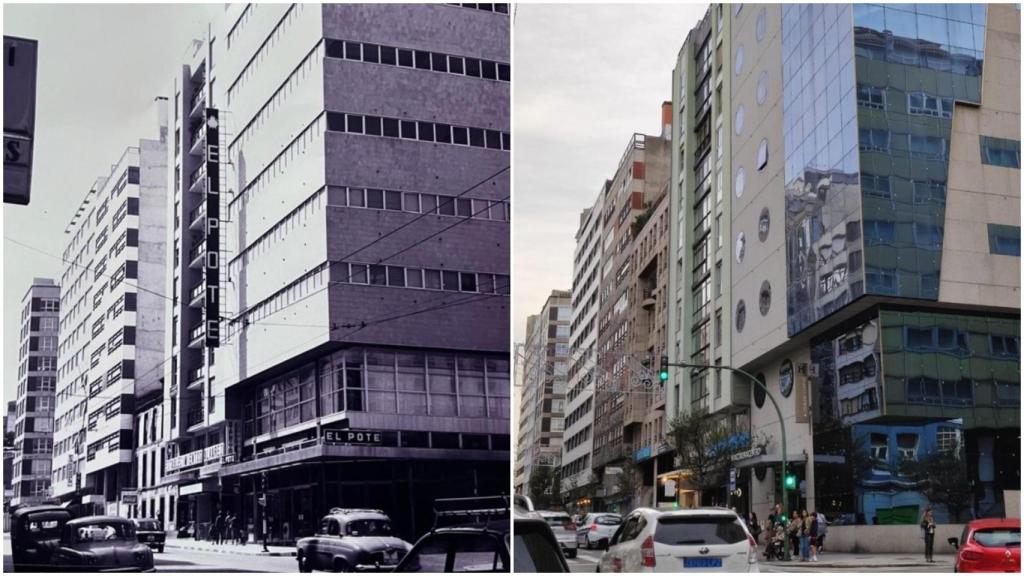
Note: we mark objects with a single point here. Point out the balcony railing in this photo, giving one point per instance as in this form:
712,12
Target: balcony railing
197,332
199,94
197,250
195,217
198,175
194,416
197,291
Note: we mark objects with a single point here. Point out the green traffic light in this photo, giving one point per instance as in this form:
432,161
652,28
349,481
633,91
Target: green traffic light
785,518
790,481
663,375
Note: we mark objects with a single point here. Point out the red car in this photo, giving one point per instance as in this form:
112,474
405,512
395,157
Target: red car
988,545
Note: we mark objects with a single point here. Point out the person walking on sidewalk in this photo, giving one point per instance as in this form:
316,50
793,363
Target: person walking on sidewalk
812,536
805,536
928,528
218,527
795,523
229,528
822,532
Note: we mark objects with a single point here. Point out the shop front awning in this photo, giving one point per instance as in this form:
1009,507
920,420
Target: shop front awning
211,485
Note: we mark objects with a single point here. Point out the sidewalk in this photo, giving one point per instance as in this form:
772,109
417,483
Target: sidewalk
867,561
249,549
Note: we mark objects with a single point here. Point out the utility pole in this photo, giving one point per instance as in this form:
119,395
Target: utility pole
663,375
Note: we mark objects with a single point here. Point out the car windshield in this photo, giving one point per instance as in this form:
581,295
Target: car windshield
558,521
997,537
458,552
102,532
148,525
535,553
683,530
368,528
608,520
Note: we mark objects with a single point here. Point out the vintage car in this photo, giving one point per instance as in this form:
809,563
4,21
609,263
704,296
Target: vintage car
101,544
351,540
35,534
477,542
150,532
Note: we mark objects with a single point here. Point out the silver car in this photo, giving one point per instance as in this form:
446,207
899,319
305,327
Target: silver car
564,530
596,529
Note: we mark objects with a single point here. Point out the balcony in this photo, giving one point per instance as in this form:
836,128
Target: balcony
649,298
197,255
197,180
198,99
197,218
198,139
195,336
194,418
196,378
197,295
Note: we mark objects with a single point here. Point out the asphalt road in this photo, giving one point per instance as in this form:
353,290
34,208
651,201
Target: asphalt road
585,560
178,560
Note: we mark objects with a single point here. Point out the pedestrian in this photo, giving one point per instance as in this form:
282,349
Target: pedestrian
753,525
928,529
235,535
794,532
812,536
218,527
805,528
822,531
229,528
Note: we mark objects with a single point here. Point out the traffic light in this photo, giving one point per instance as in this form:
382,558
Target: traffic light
785,518
790,482
663,374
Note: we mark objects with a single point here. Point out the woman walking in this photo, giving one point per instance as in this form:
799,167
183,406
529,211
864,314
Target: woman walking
928,527
795,523
812,536
805,529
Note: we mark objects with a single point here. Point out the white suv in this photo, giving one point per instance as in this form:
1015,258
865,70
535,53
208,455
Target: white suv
697,540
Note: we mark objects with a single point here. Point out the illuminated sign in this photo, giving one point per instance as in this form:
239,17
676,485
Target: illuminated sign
361,437
211,310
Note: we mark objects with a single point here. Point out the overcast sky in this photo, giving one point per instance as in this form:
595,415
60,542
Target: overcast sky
586,78
100,68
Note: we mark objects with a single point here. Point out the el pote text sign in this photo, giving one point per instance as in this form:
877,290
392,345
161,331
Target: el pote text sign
358,437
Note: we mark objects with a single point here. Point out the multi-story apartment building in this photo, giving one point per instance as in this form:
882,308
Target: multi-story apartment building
644,421
545,366
111,343
875,183
578,437
640,177
359,171
37,378
9,417
156,499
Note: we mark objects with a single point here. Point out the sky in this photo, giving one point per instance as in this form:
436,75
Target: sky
585,79
100,68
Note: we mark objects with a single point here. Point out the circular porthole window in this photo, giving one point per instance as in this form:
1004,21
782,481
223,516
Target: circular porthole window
741,247
739,59
786,377
763,224
762,154
759,392
762,87
739,119
741,315
761,25
764,299
741,181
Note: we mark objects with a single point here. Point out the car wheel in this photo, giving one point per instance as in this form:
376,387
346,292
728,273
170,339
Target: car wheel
587,542
161,550
570,553
340,565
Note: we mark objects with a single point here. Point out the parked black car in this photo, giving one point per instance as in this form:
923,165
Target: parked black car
101,544
151,533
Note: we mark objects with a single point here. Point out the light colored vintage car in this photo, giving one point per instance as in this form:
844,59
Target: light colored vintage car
352,540
101,544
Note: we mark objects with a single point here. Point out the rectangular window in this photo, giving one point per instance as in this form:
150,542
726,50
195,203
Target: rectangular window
1004,240
1000,152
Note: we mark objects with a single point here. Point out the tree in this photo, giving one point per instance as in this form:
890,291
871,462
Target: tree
942,478
628,482
545,487
702,448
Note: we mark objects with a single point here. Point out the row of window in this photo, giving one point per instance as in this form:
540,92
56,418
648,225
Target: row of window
423,278
419,59
496,8
1004,239
420,203
418,130
298,217
1000,152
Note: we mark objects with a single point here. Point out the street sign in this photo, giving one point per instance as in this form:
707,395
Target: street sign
358,437
129,497
732,479
20,55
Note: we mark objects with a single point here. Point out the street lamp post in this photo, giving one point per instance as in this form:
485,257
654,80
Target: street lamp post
782,423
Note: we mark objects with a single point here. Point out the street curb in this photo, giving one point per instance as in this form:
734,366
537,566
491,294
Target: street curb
235,552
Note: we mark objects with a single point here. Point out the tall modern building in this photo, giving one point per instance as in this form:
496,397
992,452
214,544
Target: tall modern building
111,339
545,366
9,417
578,437
639,179
870,179
37,379
340,178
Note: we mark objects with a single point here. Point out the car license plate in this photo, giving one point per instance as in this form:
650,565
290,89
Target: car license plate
150,538
702,562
